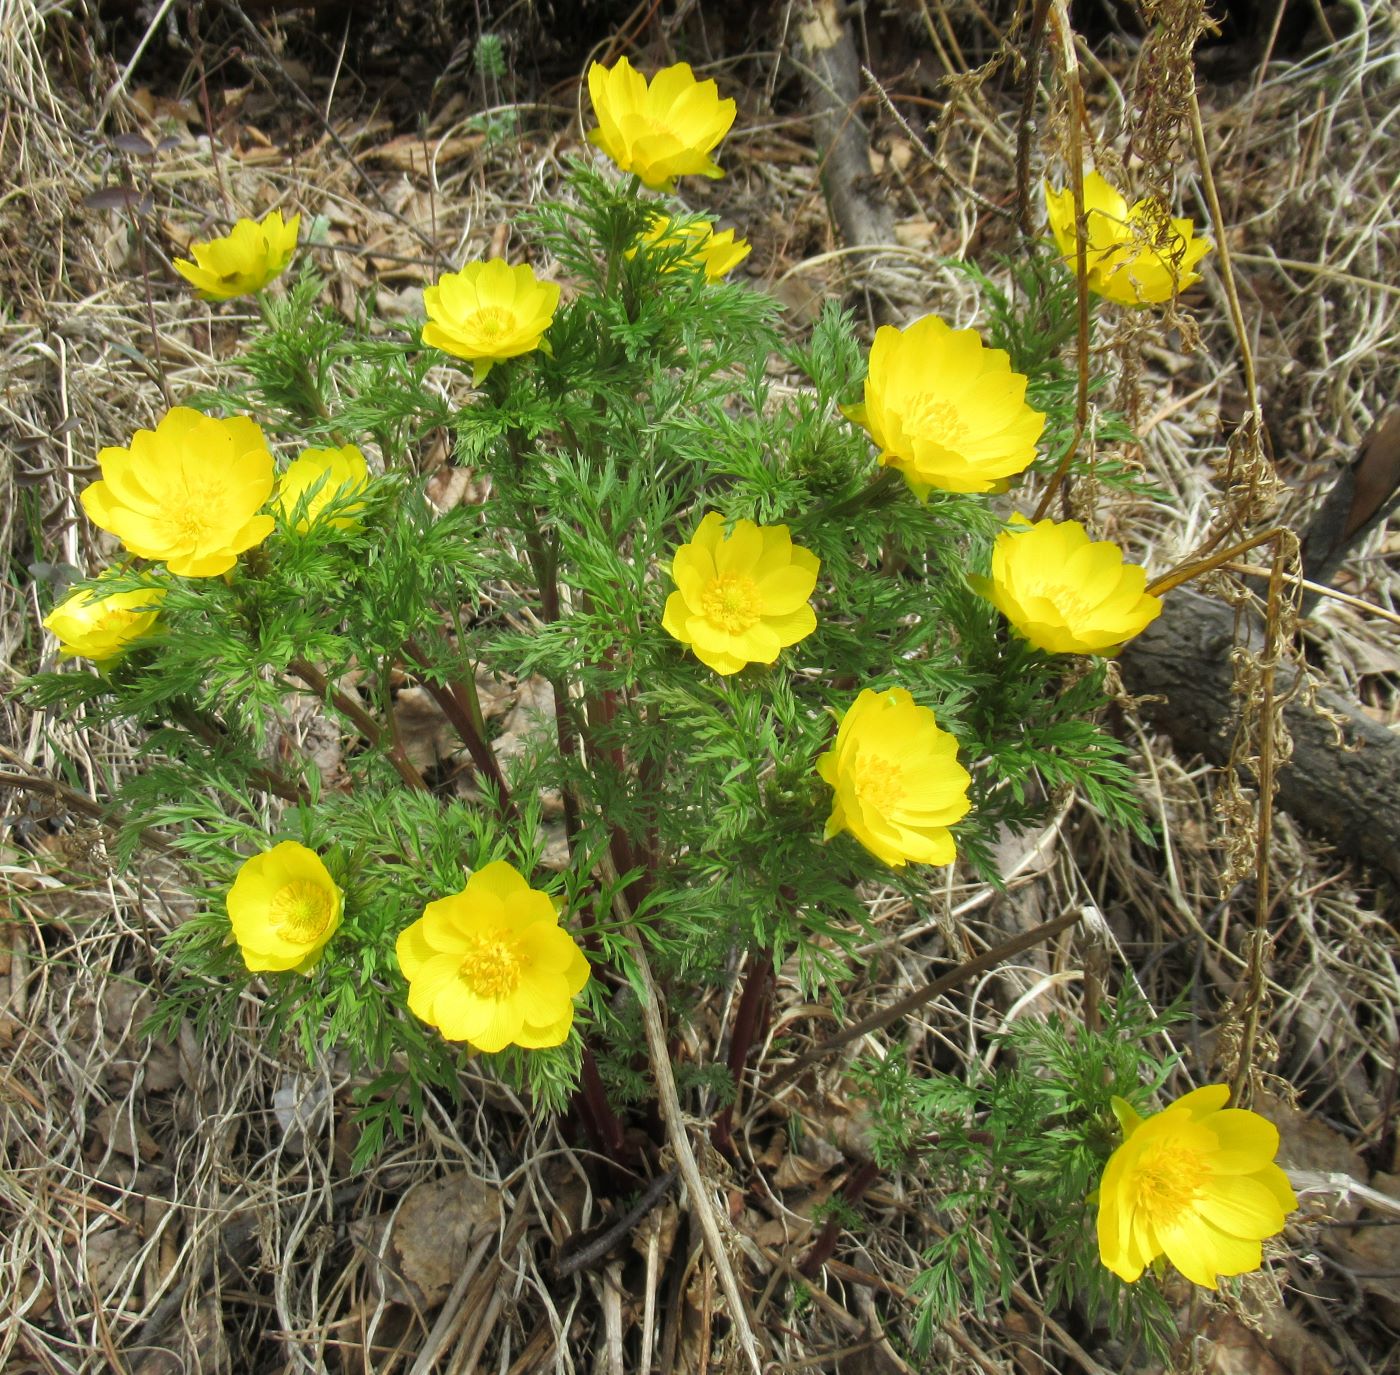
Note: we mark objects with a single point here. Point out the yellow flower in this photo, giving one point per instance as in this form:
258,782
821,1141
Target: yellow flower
946,411
489,312
1065,593
1136,255
284,906
718,254
187,492
897,779
243,261
492,966
340,472
1196,1182
741,597
662,129
103,627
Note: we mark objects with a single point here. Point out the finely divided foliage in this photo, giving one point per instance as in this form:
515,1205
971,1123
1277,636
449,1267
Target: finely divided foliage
775,676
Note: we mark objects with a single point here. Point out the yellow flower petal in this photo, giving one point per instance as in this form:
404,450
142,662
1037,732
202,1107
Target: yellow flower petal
1135,255
104,626
283,908
244,261
328,475
741,598
658,131
488,312
944,410
1064,593
491,966
1195,1182
186,492
897,783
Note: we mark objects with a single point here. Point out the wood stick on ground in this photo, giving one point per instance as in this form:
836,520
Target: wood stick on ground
668,1100
1044,932
831,80
1350,795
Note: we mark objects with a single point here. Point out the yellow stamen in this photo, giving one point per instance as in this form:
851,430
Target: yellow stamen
493,966
300,911
732,603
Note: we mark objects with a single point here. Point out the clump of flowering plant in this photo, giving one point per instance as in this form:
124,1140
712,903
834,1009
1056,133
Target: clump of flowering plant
693,573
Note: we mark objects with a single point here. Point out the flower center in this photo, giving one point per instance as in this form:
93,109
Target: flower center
732,603
938,418
1069,601
300,911
113,620
1167,1180
491,322
194,518
876,783
493,966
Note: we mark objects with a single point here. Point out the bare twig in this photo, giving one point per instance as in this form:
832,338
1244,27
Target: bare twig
668,1100
915,1000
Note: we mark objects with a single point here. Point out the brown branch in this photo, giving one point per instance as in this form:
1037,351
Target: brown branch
78,802
454,704
1181,666
915,1000
364,722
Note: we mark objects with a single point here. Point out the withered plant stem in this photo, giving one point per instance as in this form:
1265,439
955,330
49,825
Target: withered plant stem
1263,847
912,1002
1035,47
1223,264
1195,567
668,1101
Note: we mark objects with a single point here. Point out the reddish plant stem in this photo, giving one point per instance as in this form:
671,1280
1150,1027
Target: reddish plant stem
825,1244
353,711
749,1017
602,710
611,1139
456,704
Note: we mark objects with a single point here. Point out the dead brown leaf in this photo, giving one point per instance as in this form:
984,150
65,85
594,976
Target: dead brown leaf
430,1236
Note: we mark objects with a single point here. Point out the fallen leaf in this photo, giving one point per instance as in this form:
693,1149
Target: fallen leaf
430,1237
409,153
1234,1349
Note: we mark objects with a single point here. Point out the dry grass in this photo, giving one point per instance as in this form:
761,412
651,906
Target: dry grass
158,1212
